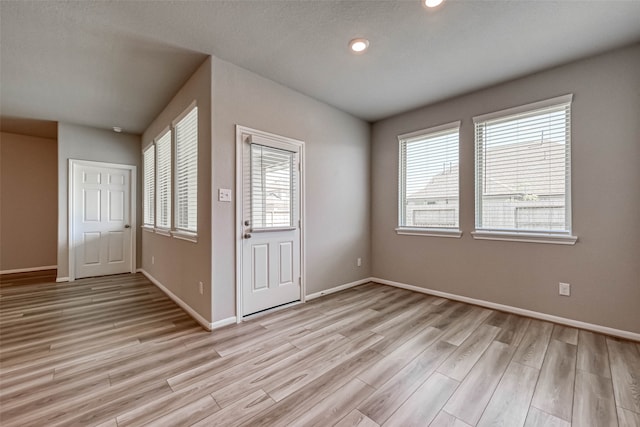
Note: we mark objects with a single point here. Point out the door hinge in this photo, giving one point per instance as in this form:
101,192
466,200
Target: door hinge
299,224
300,281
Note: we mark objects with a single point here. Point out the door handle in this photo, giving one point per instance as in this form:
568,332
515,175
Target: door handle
247,235
127,226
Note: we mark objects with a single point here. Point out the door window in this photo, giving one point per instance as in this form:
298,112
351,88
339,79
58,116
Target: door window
272,187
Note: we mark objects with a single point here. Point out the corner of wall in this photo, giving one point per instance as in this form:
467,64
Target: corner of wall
179,266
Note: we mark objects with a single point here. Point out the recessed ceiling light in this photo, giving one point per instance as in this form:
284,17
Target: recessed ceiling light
117,129
432,3
358,45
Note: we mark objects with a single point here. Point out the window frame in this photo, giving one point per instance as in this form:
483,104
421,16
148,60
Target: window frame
453,232
293,160
171,230
178,232
545,236
161,229
148,226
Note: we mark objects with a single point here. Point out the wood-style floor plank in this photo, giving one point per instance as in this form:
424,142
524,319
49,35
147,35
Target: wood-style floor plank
425,404
243,385
165,405
388,398
512,327
565,334
356,419
538,418
239,412
625,371
293,407
458,365
593,356
108,423
627,418
594,404
459,332
554,392
471,398
533,347
445,419
220,372
386,368
115,351
292,380
188,414
510,402
337,405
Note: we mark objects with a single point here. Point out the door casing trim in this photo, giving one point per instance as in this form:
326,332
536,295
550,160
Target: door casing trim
239,210
73,163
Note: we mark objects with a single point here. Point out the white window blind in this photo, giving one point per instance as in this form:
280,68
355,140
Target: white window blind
272,187
186,131
149,170
163,181
523,168
429,178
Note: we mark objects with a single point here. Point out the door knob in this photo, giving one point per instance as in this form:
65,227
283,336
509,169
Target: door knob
127,226
247,235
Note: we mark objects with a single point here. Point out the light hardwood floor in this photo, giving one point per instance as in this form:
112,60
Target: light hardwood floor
115,351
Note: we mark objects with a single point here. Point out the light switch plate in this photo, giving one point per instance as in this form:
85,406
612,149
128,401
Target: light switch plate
224,194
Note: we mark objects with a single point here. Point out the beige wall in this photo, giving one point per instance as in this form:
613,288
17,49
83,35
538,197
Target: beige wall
28,193
337,178
603,267
180,265
87,143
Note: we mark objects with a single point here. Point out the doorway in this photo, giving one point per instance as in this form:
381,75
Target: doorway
101,219
270,218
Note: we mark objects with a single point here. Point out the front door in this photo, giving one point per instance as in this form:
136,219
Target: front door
101,219
271,248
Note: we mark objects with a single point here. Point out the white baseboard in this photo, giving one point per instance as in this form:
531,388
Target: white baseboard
501,307
62,279
224,322
516,310
29,269
337,289
197,317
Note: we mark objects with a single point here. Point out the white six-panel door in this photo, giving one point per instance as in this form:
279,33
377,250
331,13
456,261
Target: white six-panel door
101,219
271,232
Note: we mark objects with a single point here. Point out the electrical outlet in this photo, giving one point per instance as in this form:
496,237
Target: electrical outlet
201,287
359,262
153,259
564,289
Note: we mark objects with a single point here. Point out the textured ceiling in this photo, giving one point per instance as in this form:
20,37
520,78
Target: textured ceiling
118,63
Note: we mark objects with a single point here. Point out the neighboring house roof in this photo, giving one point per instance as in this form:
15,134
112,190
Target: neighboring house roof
541,172
541,169
441,185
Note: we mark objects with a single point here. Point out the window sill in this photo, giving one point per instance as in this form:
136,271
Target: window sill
429,232
185,235
147,228
554,239
163,232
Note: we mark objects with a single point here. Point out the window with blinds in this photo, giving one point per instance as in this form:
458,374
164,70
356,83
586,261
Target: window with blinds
186,136
163,181
272,187
149,171
429,178
523,168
